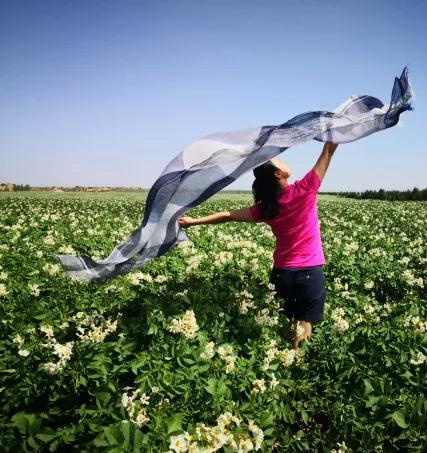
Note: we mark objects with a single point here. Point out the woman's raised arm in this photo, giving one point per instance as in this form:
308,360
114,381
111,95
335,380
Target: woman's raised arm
324,159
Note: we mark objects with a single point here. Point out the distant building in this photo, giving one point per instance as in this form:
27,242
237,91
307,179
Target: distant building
7,187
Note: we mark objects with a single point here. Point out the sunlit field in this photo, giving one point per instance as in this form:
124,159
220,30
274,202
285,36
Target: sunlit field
186,354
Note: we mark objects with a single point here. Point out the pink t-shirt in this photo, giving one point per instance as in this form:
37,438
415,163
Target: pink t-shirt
296,226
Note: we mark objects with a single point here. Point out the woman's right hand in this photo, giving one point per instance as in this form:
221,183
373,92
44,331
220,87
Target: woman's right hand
185,221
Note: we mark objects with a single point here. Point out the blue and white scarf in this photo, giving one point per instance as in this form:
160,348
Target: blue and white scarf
208,165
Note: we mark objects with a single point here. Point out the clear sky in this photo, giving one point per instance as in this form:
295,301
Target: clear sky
107,92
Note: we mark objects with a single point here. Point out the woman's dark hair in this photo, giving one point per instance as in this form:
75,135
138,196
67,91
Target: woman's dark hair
266,189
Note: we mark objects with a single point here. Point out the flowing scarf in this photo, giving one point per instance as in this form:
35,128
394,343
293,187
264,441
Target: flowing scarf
208,165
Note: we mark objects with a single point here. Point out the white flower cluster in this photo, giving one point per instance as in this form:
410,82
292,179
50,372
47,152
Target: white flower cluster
339,285
222,258
135,406
411,280
371,312
340,323
211,439
185,324
161,279
263,318
209,351
137,277
194,262
49,240
225,352
342,448
377,252
186,248
3,290
245,300
112,289
369,284
259,386
34,289
350,248
418,359
63,351
417,323
93,327
67,249
285,356
52,269
19,341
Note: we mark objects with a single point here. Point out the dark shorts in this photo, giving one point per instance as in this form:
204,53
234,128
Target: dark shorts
303,290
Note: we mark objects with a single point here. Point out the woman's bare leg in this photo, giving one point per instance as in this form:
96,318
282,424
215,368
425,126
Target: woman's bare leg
304,335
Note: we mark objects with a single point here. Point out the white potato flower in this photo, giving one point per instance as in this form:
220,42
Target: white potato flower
369,285
67,249
144,399
418,359
141,418
47,330
273,382
18,340
53,368
49,240
185,324
52,269
3,290
63,351
180,443
209,351
258,386
245,445
286,357
342,324
34,289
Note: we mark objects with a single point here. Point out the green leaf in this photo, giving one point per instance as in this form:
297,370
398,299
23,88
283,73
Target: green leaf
137,441
33,443
266,420
45,437
127,429
174,423
217,387
368,386
20,420
102,399
113,437
34,423
399,418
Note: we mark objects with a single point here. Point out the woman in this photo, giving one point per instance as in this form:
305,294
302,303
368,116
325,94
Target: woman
291,212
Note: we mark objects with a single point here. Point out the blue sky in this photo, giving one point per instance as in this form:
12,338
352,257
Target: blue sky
107,92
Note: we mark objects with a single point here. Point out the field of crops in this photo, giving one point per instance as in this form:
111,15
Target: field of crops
186,355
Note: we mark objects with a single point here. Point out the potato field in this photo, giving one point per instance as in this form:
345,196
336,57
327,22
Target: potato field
186,354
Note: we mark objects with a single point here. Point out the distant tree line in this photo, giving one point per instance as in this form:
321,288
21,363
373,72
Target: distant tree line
21,187
390,195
